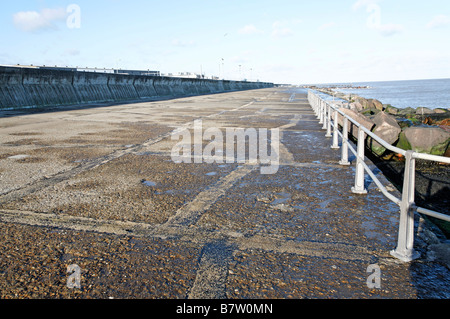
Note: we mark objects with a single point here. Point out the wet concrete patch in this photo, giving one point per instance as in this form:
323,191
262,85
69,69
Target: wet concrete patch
301,203
251,276
310,146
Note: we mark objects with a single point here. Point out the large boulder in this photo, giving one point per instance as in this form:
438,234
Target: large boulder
375,104
424,110
353,129
387,128
356,106
391,109
440,110
428,139
407,111
403,142
363,102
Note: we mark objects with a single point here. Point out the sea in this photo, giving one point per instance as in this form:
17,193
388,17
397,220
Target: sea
402,94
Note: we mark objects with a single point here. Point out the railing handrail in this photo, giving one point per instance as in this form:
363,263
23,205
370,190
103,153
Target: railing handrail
404,250
424,156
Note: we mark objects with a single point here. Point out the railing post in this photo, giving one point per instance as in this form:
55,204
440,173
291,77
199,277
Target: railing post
335,131
322,113
316,106
405,250
328,120
344,147
359,176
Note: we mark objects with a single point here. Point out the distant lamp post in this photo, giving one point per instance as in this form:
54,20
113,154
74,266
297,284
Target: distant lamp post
223,68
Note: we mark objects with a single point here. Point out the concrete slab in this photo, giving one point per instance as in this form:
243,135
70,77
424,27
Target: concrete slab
99,189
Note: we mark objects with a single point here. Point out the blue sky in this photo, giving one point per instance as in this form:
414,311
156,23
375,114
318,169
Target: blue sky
283,41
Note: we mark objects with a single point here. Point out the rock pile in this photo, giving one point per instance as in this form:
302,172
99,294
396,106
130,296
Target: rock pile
422,130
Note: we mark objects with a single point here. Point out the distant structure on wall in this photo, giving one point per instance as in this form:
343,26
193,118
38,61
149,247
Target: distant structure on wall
86,69
184,75
43,86
189,75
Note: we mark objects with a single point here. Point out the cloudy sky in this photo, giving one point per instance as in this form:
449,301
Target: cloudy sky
283,41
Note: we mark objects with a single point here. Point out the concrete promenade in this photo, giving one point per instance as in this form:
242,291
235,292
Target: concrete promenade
97,188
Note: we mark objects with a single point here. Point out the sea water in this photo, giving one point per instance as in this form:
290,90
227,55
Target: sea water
401,94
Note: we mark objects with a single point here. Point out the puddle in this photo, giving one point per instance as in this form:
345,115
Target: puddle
323,205
174,192
283,198
370,231
19,157
149,183
211,173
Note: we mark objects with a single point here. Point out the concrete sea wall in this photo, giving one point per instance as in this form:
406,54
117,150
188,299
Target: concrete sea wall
40,88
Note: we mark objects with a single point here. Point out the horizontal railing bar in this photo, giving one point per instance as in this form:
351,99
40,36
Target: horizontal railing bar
380,186
431,157
383,142
386,145
405,244
391,148
371,134
432,213
374,178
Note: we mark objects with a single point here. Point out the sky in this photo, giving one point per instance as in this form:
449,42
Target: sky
283,41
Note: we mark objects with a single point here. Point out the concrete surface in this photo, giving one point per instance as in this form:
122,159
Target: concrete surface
96,187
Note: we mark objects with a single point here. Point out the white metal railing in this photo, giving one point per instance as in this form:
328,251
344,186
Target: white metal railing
323,110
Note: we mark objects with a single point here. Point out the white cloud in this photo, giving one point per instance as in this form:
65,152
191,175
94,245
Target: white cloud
327,26
389,29
244,57
183,43
282,32
281,29
30,21
439,21
249,30
72,52
363,3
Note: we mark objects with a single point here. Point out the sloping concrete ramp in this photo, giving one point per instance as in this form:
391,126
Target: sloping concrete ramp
37,88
